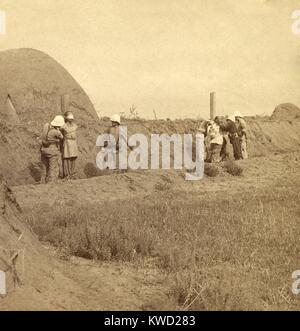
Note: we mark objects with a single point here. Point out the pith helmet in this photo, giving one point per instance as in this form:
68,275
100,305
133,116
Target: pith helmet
58,121
238,114
231,118
116,118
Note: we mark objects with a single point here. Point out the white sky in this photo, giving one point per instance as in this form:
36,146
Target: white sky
167,55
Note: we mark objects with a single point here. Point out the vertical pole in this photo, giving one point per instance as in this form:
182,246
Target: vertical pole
65,100
212,105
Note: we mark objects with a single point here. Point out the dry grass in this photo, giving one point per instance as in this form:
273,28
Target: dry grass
218,252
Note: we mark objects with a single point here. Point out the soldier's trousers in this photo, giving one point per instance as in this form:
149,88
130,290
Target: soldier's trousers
69,165
244,149
50,167
215,153
236,145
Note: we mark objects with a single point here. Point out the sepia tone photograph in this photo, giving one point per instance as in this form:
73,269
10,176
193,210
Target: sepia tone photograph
150,156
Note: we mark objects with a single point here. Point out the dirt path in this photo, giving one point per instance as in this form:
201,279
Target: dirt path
116,286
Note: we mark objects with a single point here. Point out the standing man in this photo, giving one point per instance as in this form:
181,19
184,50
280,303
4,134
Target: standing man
224,152
70,148
50,150
242,133
114,130
215,142
231,128
204,130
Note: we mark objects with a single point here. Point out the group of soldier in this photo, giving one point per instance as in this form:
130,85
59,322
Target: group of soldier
59,149
220,133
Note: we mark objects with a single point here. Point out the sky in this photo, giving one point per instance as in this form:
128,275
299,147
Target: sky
167,55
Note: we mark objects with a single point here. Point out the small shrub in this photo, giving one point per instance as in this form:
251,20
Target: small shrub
211,170
233,169
90,170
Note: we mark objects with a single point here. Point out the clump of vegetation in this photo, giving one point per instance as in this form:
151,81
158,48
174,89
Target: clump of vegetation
90,170
233,168
211,170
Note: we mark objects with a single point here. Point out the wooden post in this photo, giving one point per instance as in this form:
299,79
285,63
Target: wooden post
65,100
212,105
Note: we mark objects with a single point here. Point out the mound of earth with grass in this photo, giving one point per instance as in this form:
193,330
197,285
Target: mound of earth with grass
267,136
286,111
37,85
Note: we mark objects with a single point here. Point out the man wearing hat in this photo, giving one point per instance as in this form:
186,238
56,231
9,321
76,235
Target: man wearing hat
242,133
231,128
70,148
215,138
50,150
114,130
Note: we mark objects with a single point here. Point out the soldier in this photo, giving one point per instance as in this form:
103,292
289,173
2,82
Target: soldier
231,128
50,150
204,129
242,133
224,152
70,149
215,142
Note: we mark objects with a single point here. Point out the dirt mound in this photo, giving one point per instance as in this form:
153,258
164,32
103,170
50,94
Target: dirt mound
36,84
286,111
265,136
33,90
22,146
270,136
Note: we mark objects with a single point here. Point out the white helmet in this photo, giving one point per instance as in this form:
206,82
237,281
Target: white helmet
231,118
116,118
238,114
58,121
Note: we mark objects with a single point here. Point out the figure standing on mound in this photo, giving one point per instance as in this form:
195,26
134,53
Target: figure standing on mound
231,128
119,142
50,150
224,149
203,129
215,142
242,133
114,130
69,148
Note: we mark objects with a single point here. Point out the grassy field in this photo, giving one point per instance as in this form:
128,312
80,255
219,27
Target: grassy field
217,250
